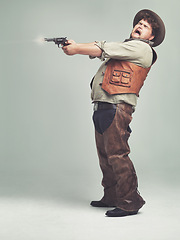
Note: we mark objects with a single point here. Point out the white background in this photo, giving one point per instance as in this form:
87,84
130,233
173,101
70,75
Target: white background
48,164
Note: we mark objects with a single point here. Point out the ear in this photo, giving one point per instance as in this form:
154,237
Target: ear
151,38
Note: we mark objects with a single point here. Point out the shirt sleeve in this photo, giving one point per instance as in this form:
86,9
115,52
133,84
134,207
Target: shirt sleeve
137,52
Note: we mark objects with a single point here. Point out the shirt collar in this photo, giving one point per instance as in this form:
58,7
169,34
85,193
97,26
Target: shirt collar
139,39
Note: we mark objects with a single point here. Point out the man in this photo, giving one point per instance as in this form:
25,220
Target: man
115,89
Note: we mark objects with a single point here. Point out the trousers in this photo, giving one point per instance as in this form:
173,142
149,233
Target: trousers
119,180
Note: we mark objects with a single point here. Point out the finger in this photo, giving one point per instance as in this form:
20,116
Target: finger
70,41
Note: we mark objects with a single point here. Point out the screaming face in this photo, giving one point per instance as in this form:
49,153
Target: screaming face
142,30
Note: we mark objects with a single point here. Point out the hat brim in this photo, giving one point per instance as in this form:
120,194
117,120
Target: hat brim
161,33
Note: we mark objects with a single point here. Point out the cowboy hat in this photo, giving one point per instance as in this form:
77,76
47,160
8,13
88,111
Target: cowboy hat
161,31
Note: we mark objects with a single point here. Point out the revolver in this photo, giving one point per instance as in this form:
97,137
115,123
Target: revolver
58,41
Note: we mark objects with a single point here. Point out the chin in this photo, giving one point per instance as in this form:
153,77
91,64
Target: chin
137,37
134,36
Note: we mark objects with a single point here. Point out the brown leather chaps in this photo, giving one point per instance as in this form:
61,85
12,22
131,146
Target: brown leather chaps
119,176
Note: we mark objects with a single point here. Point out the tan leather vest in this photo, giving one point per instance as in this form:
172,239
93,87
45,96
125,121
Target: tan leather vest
123,77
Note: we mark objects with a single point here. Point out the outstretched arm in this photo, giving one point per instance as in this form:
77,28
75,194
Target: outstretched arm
82,48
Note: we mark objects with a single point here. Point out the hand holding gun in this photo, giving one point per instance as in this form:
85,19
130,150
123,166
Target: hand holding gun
59,41
68,46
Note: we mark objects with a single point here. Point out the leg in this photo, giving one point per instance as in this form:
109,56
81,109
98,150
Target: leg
117,150
108,182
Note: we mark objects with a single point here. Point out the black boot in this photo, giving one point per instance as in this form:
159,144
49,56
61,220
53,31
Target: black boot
99,204
117,212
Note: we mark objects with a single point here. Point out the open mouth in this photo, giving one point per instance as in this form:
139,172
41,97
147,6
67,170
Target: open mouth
138,32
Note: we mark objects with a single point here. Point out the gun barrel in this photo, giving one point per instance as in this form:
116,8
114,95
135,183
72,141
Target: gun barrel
49,39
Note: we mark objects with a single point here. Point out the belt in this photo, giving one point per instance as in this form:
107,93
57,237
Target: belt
103,106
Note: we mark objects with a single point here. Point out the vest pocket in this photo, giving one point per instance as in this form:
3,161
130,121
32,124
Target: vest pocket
121,78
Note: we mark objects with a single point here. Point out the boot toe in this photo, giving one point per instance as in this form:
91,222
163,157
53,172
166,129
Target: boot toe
99,204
